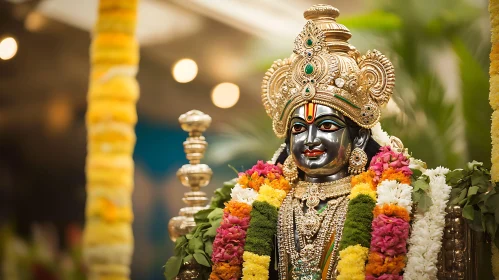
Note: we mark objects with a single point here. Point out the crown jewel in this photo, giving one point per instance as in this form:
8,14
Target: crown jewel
325,69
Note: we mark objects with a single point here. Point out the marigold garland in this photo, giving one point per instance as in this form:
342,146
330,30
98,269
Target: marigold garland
241,250
356,236
379,264
270,195
237,209
386,166
393,174
362,188
392,210
256,266
111,116
390,227
365,177
352,262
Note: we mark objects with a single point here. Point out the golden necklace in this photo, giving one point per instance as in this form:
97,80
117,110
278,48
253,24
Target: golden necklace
314,228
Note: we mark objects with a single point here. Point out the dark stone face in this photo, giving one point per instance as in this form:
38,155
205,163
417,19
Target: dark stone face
322,145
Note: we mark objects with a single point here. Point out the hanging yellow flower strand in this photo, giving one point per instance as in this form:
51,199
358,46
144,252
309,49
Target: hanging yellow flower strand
494,103
111,117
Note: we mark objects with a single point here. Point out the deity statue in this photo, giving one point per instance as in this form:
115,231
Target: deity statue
337,200
323,100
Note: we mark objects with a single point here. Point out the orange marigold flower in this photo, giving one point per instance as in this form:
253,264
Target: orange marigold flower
393,174
243,181
392,210
364,177
379,264
255,181
225,271
271,176
281,184
238,209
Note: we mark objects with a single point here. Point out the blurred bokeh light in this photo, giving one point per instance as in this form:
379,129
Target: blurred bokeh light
185,70
8,48
225,95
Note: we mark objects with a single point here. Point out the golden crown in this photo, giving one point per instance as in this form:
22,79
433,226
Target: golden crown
325,69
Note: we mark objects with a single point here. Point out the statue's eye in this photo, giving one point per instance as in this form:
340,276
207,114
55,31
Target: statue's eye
328,126
298,128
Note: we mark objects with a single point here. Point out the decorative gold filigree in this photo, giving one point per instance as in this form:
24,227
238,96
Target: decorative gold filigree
377,76
326,70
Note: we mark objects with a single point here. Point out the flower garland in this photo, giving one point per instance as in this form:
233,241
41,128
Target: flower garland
390,227
110,118
244,241
354,243
427,230
384,184
494,103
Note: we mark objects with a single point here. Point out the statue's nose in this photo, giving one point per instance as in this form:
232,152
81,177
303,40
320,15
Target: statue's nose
312,139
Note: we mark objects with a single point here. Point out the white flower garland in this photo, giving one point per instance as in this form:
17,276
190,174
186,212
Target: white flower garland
427,230
392,192
380,136
244,195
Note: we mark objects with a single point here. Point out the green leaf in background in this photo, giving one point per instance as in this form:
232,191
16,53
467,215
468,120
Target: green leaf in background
475,91
172,267
425,202
476,224
201,259
187,258
416,173
216,214
202,216
492,201
490,224
468,212
198,244
421,185
195,243
208,247
376,21
472,190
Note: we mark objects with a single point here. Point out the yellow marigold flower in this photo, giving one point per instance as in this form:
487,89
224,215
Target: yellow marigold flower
364,177
255,266
362,188
270,195
352,263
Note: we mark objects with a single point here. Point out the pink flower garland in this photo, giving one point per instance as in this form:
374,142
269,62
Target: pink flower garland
385,277
228,245
390,229
263,169
386,158
389,235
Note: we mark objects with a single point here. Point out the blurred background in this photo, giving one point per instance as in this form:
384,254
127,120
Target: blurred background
208,55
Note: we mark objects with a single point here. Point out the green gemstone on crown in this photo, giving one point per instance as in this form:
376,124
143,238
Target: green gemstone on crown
310,42
309,69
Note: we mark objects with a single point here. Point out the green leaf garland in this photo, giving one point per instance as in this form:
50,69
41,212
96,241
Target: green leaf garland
357,228
262,228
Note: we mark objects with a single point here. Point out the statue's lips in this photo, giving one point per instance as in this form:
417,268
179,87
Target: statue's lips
313,153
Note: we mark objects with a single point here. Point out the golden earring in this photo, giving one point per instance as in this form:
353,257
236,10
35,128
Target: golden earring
357,161
289,169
